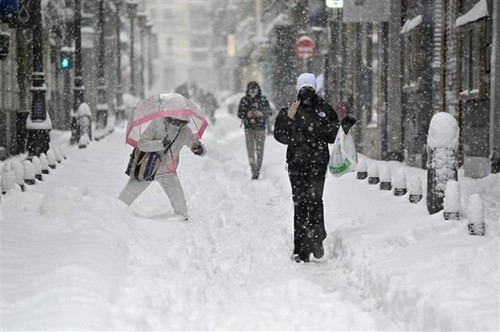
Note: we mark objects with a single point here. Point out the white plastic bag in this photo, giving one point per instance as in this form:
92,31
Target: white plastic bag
343,158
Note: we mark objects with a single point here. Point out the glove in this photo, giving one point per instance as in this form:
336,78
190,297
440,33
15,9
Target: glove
198,149
347,123
166,142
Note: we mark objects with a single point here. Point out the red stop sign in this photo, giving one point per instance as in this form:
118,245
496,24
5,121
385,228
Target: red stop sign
305,48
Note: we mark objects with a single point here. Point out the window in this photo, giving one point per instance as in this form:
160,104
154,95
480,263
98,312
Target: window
169,42
199,56
473,60
199,41
411,58
365,31
167,14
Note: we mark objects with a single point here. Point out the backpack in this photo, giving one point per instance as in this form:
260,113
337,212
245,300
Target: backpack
143,166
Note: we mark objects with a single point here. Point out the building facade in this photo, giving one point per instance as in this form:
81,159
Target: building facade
184,37
58,35
399,61
427,57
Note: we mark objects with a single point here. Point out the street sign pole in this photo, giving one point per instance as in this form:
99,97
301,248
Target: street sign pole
305,48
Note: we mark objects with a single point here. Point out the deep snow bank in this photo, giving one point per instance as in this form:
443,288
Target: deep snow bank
62,259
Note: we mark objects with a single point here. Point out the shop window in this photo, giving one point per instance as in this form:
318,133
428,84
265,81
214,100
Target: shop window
169,43
473,60
412,59
199,41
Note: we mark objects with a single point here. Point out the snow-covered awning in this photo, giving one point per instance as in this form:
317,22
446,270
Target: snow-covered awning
411,24
477,12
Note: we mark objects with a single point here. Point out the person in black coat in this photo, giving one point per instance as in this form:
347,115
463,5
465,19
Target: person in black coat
254,111
307,127
209,106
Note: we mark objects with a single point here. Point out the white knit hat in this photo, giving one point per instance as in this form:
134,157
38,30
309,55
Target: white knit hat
306,79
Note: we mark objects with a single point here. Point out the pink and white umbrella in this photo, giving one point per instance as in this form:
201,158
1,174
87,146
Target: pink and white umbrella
160,106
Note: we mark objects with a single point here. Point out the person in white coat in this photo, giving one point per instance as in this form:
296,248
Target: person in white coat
167,136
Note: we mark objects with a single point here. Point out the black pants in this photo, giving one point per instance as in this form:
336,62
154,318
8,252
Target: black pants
308,182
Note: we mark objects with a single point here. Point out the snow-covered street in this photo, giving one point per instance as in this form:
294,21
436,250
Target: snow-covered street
76,258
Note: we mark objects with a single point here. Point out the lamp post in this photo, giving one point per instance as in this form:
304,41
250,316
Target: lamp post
120,109
38,122
132,12
78,81
102,104
78,88
142,18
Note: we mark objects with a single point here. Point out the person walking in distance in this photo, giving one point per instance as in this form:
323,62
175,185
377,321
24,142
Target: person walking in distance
254,111
307,126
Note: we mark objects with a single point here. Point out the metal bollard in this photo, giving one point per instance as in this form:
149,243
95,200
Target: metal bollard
385,178
451,201
400,183
18,170
475,213
38,168
85,126
415,189
63,153
51,158
58,155
362,170
8,181
44,163
373,176
29,172
84,116
84,141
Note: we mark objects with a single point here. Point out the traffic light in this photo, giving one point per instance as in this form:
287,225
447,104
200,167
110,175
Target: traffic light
65,60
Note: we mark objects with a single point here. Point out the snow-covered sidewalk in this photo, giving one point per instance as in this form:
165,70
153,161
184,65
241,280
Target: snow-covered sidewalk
74,257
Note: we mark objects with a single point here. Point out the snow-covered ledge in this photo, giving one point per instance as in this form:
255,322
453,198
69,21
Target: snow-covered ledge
477,12
39,125
411,24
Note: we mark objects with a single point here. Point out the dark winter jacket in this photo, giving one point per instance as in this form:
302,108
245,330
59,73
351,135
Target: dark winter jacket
309,134
257,103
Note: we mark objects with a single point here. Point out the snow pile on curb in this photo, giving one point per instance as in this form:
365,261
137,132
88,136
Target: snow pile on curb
422,269
71,261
